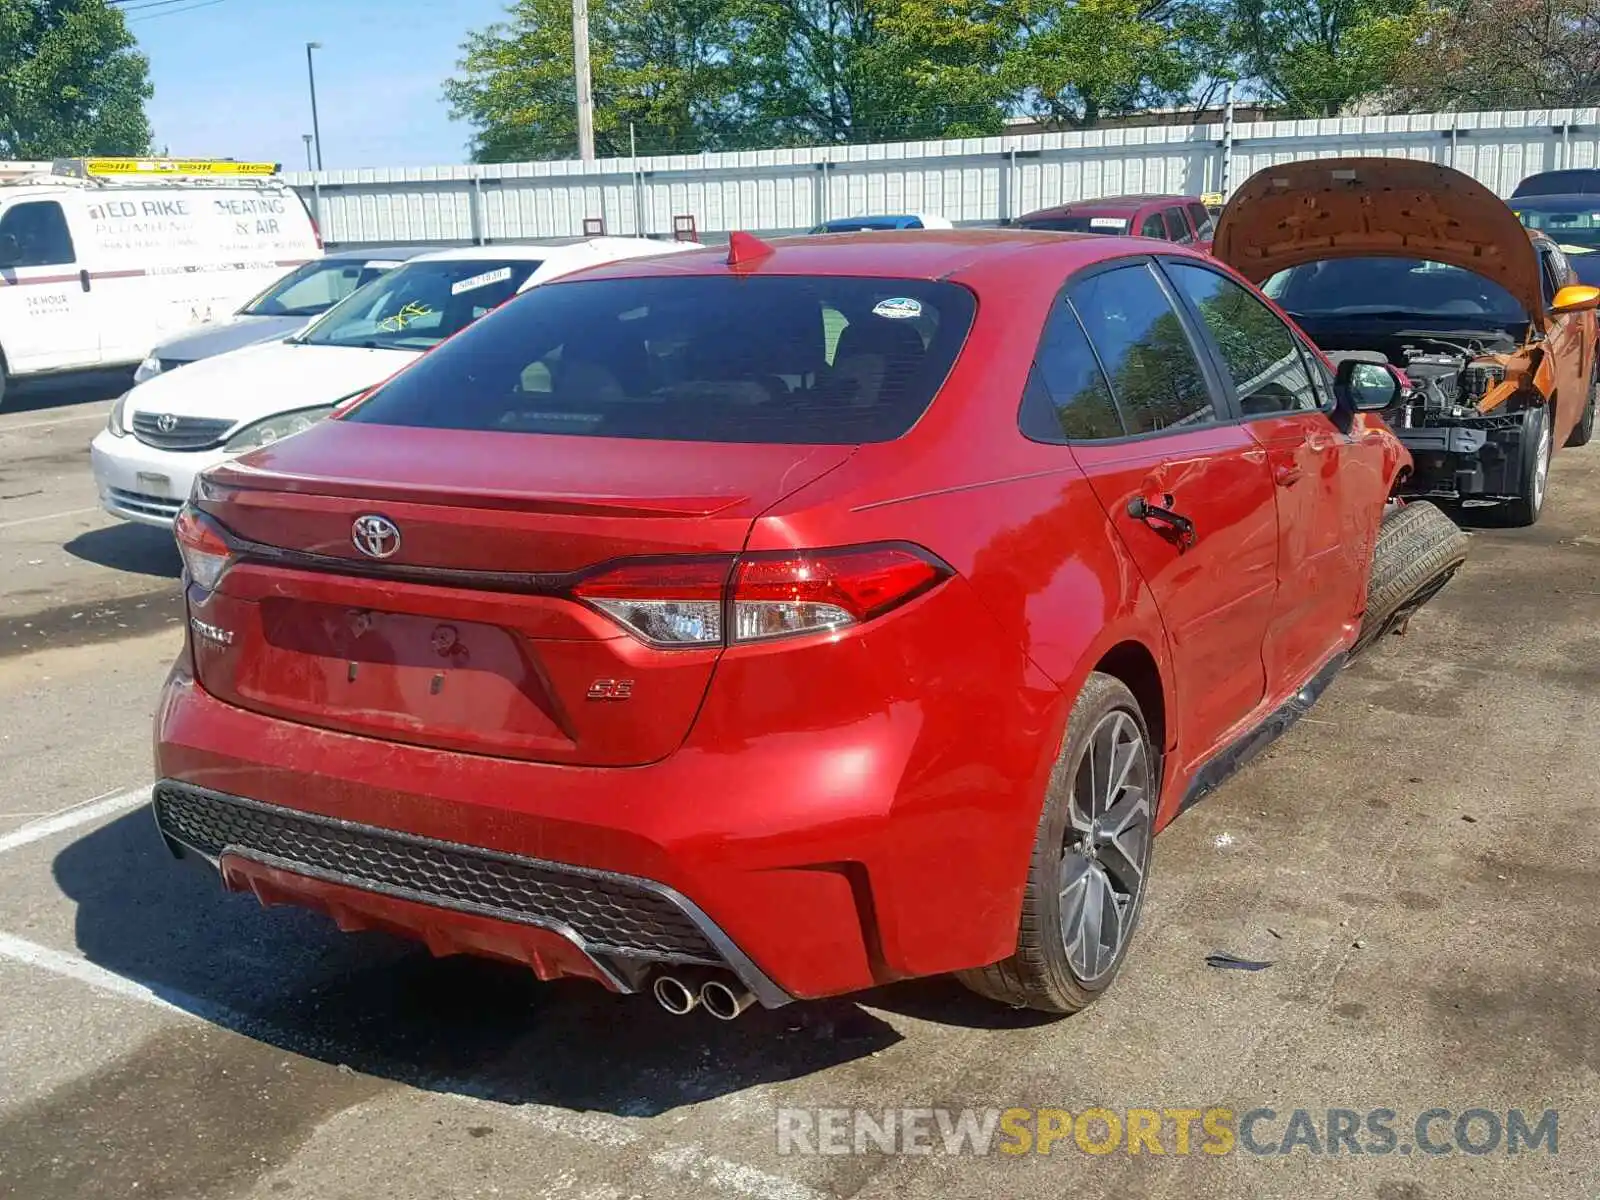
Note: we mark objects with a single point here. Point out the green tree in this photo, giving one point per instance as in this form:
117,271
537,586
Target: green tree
1478,54
661,65
71,81
868,70
1313,58
1072,62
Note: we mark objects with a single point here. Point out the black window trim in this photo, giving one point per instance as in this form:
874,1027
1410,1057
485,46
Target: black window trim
1327,403
1222,400
66,226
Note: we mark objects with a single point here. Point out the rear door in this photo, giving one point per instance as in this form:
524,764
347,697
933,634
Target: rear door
1329,485
48,315
1178,459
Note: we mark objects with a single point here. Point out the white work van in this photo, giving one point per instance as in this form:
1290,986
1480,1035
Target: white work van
101,259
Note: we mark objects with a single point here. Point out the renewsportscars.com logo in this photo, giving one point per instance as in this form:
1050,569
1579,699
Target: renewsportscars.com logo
1261,1132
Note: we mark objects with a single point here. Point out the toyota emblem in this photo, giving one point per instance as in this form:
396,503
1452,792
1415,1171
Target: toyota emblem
166,422
375,536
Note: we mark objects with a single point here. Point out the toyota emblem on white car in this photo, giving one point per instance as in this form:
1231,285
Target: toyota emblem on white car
166,422
375,536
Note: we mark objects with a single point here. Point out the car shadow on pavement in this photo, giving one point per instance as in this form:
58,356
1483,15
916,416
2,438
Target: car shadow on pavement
387,1008
137,549
88,387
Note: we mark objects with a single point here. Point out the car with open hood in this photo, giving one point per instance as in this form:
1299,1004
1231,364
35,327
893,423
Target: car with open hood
1422,267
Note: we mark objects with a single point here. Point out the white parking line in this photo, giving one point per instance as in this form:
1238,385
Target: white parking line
70,966
56,421
82,814
71,512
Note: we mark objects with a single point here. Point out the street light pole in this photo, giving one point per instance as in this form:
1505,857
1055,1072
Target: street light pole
311,75
581,77
306,138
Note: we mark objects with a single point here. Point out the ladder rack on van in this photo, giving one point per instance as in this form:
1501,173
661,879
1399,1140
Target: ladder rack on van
143,172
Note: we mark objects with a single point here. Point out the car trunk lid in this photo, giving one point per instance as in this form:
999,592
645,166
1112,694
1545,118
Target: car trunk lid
464,635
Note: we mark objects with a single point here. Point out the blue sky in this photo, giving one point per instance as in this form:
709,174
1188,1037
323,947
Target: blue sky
230,77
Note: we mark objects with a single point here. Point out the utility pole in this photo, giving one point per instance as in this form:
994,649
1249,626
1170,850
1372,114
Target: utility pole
311,74
306,138
581,77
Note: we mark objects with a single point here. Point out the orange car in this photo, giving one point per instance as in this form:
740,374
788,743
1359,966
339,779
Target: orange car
1422,267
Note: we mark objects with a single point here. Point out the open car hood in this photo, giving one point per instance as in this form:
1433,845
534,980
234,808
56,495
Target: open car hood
1325,208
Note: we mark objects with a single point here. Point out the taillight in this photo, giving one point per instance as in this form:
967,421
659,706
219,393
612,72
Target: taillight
700,602
667,602
205,552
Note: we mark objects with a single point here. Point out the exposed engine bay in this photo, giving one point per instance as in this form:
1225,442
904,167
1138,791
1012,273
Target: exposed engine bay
1462,416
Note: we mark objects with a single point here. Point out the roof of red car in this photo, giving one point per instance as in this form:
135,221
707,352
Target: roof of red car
900,254
1109,205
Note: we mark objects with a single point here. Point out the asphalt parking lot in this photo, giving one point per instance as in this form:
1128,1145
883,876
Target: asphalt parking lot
1416,860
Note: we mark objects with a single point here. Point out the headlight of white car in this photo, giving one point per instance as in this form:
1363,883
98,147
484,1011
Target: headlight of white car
276,428
114,424
148,369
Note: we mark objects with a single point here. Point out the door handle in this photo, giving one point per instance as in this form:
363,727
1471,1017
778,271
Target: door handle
1287,476
1162,518
83,279
1319,445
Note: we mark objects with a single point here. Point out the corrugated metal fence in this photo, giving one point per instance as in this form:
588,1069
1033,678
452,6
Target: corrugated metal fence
970,180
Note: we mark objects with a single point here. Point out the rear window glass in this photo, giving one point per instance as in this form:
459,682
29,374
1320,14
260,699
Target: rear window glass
417,306
797,359
1077,224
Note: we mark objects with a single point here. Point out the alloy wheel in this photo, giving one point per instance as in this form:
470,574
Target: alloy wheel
1103,860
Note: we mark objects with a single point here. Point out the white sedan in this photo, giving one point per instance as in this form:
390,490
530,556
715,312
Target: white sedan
168,429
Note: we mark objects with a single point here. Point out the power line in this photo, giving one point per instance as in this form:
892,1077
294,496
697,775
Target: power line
170,12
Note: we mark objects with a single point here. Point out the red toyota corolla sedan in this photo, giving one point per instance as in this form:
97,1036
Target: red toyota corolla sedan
774,623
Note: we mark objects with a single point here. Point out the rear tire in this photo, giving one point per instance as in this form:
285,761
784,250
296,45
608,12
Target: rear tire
1584,429
1538,442
1091,857
1419,550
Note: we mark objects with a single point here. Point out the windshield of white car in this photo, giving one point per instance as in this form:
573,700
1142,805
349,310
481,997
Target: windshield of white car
418,305
1391,289
314,288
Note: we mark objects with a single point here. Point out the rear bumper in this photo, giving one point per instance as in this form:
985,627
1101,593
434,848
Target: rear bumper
811,862
558,920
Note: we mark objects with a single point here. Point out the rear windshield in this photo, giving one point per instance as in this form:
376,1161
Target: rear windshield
1391,288
1077,224
796,359
418,305
1571,226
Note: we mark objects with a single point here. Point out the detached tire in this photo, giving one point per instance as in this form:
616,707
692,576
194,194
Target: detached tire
1091,857
1419,550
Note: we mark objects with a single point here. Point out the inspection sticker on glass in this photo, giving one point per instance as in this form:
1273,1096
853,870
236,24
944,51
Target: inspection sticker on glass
898,308
478,281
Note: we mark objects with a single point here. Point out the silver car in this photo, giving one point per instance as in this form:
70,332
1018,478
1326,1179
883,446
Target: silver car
287,306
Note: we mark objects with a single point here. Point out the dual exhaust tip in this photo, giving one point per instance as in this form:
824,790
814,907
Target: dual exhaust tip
724,999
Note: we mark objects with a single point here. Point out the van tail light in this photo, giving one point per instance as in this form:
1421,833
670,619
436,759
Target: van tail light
760,597
205,551
316,232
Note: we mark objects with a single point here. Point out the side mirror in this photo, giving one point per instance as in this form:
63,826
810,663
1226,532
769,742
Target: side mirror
1367,386
1575,298
10,250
